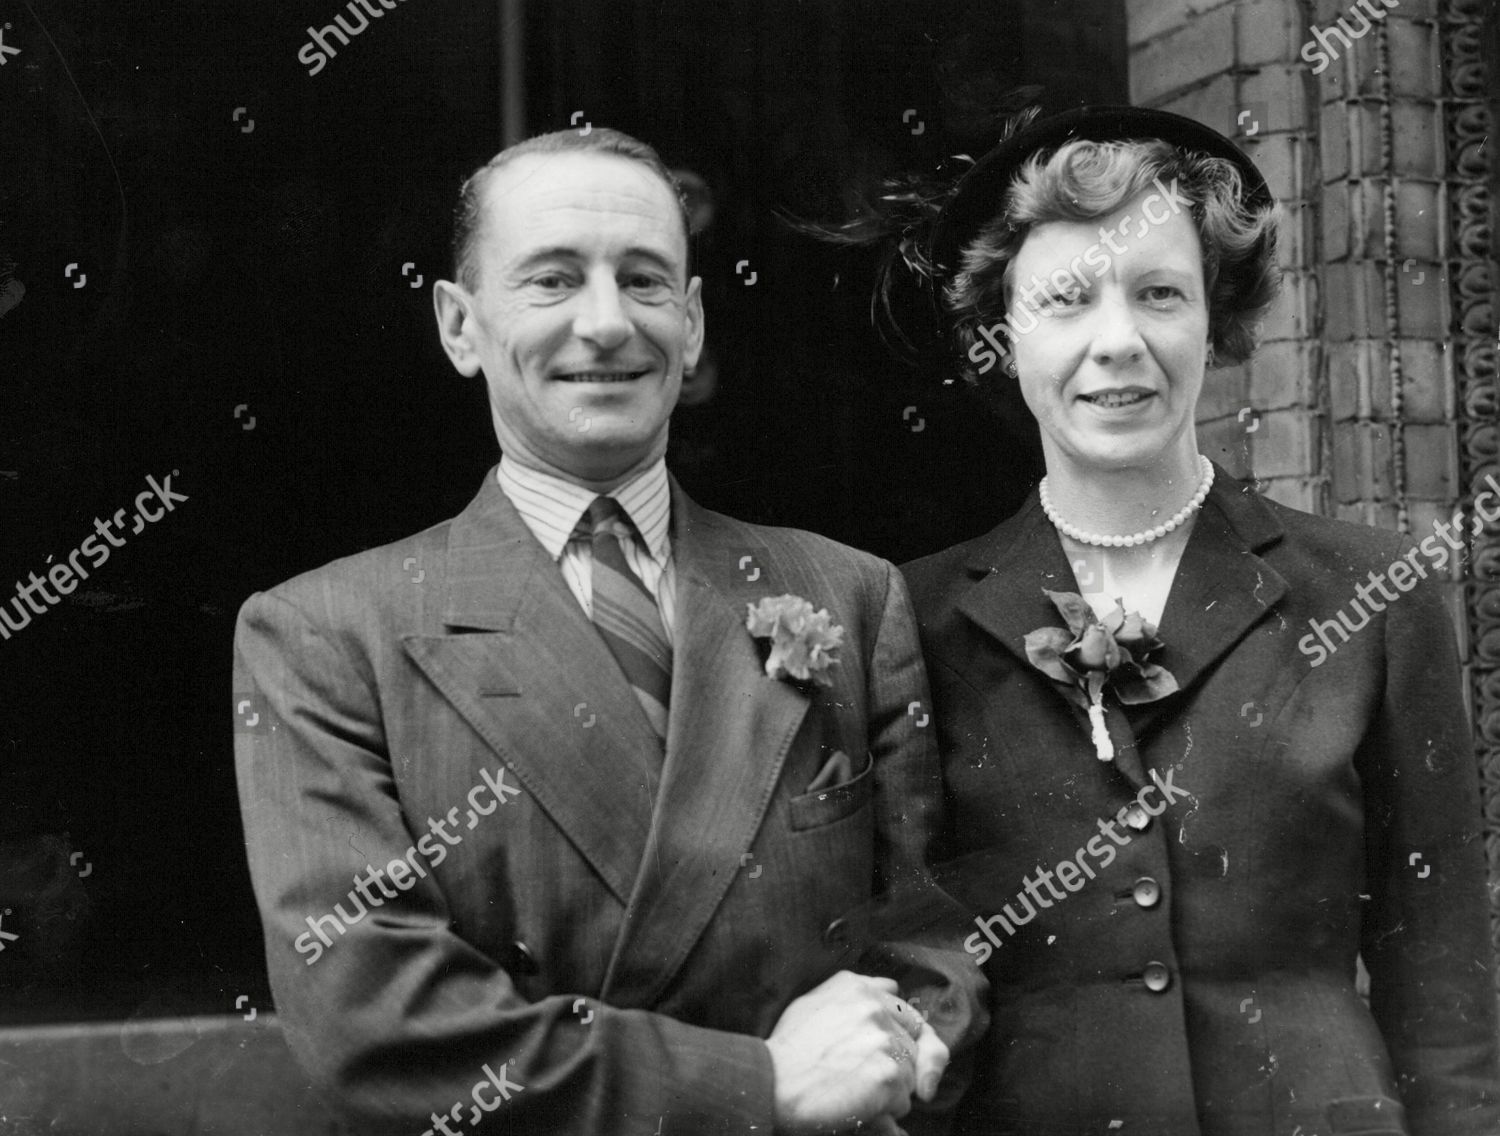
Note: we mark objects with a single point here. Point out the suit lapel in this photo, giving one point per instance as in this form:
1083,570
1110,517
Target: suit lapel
1221,590
525,667
1015,563
728,736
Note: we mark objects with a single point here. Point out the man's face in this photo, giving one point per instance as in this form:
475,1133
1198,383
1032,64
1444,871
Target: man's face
583,319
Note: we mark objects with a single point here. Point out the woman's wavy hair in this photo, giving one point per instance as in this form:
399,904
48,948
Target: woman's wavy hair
1076,181
1083,181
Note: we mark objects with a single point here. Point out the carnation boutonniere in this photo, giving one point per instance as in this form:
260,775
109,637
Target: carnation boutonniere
1093,654
802,643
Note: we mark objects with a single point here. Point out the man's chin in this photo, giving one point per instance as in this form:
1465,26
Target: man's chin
603,450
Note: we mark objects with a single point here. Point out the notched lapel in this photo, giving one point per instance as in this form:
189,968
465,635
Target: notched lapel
728,736
525,668
1019,559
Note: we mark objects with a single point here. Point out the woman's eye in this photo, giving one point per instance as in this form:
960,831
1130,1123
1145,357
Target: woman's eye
1160,292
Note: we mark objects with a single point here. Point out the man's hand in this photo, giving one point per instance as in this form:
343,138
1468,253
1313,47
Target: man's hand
851,1051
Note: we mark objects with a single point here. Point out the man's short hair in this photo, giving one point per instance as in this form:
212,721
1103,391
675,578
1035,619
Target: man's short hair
468,217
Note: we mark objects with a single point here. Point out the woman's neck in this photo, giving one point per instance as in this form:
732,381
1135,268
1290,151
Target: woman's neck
1118,502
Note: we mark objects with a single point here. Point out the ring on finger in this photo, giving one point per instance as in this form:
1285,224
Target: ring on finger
909,1016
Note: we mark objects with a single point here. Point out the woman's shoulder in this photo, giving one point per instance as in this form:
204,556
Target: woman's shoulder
938,577
1332,545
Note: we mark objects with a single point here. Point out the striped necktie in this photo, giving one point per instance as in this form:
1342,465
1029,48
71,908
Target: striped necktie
626,613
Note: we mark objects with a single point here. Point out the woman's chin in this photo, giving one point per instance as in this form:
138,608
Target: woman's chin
1112,453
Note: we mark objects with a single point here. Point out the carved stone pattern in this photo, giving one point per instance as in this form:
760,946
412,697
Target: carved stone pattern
1472,276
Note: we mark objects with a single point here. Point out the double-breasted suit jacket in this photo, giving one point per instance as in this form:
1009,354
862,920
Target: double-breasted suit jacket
1317,806
559,948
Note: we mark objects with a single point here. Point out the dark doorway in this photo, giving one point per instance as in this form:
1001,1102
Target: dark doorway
220,247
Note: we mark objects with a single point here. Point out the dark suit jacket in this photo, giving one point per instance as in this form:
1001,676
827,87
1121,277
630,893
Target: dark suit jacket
1333,811
431,677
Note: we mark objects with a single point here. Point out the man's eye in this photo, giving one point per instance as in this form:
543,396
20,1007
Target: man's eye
550,280
641,282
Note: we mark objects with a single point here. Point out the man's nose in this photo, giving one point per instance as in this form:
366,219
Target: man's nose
601,316
1117,334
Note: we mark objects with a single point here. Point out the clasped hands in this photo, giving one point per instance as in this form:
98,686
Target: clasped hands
850,1052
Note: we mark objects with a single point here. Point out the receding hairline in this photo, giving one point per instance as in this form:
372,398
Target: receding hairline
483,181
490,174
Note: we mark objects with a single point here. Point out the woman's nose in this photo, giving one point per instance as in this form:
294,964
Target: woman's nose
1117,336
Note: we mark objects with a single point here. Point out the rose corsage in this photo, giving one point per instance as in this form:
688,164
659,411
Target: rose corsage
1093,654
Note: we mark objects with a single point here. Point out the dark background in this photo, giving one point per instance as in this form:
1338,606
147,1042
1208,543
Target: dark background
245,322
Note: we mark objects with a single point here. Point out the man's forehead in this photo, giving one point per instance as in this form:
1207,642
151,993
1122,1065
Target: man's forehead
579,192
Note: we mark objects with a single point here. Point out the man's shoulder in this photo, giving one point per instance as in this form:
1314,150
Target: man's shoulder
789,546
388,577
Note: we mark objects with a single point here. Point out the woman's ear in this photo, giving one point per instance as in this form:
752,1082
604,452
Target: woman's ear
991,346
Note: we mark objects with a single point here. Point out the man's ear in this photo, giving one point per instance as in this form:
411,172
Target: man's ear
693,313
453,306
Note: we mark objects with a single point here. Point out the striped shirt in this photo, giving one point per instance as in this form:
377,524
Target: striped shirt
551,508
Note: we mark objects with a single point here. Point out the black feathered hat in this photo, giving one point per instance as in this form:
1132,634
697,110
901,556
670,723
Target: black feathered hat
980,193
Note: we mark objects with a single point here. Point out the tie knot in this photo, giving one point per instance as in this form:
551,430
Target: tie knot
603,509
604,515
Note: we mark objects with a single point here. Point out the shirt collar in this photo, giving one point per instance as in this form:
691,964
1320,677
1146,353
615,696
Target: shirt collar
551,506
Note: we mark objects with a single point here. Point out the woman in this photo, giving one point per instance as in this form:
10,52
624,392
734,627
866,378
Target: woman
1177,842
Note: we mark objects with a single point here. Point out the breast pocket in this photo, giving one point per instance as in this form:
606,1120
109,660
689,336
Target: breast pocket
825,806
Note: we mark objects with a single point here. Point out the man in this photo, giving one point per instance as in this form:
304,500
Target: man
532,828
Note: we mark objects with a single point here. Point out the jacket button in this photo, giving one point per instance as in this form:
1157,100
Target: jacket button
519,961
1137,818
1157,977
1147,892
836,934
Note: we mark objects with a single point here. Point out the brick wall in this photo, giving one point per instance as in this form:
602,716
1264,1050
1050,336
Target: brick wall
1317,415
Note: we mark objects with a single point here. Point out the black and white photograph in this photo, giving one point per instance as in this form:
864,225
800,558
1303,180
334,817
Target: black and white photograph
750,568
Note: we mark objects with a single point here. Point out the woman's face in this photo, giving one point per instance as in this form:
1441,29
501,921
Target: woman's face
1108,322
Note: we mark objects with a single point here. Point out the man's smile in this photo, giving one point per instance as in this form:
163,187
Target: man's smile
599,376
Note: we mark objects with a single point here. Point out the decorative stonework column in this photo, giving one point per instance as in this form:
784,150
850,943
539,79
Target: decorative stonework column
1469,35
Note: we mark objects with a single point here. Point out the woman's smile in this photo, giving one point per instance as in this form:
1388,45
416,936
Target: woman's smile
1118,399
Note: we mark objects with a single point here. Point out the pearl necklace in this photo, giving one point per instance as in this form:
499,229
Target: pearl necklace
1145,537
